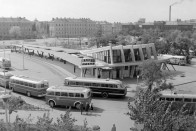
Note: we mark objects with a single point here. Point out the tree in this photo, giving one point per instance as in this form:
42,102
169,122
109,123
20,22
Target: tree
151,73
158,115
65,122
15,31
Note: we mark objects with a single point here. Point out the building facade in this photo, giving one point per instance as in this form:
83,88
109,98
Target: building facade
168,25
118,62
7,23
67,27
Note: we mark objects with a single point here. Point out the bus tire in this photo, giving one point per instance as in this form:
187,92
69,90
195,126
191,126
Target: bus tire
105,95
51,103
28,94
77,105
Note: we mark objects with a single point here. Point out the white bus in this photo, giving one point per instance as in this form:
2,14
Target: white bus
175,59
28,86
68,96
178,97
5,78
5,63
105,87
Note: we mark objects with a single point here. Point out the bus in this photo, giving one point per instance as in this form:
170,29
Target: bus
188,101
178,97
5,63
28,86
68,96
105,87
176,59
5,78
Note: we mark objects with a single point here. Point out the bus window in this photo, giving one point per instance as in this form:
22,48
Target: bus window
71,94
79,83
30,85
77,95
57,94
82,95
110,85
34,86
178,99
66,83
25,83
89,94
64,94
104,85
194,100
72,83
169,99
187,99
87,84
42,86
20,82
162,98
50,93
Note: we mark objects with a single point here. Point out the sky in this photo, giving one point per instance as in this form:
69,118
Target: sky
123,11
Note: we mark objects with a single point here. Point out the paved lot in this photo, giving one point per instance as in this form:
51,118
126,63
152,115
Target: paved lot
107,111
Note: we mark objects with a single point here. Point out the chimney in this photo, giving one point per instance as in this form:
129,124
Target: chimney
170,13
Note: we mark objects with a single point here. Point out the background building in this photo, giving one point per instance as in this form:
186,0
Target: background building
67,27
7,23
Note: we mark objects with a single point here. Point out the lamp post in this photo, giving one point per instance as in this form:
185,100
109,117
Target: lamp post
3,49
23,56
137,83
4,80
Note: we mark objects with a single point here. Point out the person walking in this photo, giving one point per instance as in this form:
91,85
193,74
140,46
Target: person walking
87,108
81,108
113,128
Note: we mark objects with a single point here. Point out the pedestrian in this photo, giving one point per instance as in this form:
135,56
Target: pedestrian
87,107
91,106
81,108
113,128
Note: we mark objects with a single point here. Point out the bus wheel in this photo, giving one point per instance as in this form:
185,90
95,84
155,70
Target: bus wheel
105,95
51,103
77,106
28,94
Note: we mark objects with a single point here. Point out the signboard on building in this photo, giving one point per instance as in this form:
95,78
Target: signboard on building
88,61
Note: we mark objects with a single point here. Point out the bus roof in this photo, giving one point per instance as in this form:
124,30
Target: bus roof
27,79
63,88
176,95
94,80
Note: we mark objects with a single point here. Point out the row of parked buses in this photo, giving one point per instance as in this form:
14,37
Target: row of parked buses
74,91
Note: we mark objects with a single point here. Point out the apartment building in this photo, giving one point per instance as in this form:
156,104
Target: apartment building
7,23
70,27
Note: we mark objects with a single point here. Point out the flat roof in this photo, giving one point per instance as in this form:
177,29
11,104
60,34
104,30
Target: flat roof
61,88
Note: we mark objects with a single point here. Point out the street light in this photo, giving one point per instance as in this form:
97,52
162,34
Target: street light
5,80
137,83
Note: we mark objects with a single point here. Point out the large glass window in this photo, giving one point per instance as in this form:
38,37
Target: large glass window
117,56
137,55
57,94
127,54
145,53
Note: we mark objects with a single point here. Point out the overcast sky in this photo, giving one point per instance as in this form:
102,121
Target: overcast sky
99,10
